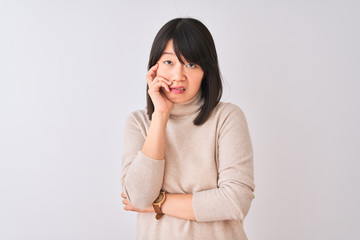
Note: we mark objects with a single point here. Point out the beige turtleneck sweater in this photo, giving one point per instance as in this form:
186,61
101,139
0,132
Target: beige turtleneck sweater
213,161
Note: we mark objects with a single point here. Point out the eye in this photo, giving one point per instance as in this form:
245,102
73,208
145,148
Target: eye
168,62
191,65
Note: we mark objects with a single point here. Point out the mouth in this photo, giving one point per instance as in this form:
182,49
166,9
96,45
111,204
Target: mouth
180,89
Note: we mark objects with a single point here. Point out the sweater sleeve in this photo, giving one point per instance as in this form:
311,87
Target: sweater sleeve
141,176
233,196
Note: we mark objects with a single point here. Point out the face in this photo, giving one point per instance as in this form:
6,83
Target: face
186,78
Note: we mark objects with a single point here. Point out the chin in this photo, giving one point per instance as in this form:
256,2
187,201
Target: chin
178,99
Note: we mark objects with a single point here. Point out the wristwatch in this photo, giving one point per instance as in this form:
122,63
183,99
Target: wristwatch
159,201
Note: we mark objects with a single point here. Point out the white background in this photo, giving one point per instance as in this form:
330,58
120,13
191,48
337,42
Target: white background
71,71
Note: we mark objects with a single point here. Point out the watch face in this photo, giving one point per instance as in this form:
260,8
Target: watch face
159,198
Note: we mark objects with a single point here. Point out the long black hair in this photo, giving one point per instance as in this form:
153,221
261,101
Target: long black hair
193,41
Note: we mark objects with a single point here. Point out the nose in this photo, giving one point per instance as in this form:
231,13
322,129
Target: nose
178,73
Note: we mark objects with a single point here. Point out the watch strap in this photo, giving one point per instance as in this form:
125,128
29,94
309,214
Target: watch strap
158,211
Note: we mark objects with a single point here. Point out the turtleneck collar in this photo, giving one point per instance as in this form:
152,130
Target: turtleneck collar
187,108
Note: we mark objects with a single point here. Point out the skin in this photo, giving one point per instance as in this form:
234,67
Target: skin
186,75
164,80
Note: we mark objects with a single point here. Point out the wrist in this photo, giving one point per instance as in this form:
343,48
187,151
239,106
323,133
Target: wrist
158,203
161,115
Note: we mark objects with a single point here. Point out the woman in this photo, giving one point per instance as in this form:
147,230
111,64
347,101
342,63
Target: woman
187,167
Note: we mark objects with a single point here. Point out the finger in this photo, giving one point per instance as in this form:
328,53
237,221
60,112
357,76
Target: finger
163,79
157,80
155,85
152,73
160,78
123,195
153,82
168,82
159,85
165,85
129,208
124,201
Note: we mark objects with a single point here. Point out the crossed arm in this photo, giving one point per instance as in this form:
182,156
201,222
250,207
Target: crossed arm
176,205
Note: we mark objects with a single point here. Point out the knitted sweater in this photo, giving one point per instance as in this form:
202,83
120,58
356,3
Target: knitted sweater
213,161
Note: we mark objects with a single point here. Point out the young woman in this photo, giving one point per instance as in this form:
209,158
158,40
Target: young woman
187,167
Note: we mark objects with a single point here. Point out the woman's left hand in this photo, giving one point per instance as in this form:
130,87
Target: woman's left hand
129,207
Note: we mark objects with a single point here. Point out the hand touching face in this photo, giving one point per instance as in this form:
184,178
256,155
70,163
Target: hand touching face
185,79
157,86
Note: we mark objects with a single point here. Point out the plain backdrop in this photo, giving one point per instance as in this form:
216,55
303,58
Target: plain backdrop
71,71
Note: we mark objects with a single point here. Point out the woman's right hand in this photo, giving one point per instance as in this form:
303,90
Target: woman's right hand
156,85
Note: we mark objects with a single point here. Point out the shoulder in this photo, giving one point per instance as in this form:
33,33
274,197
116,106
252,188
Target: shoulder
227,109
138,117
229,116
231,120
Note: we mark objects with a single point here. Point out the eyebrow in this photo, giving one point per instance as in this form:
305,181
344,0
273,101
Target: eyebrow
168,53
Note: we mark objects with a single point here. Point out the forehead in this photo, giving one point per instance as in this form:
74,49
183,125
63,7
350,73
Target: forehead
169,51
169,48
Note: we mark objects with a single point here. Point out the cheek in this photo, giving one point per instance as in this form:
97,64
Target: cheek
162,71
196,85
198,80
199,85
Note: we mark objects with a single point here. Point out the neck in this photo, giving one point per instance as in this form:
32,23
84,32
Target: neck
187,108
